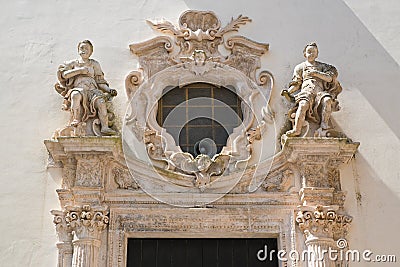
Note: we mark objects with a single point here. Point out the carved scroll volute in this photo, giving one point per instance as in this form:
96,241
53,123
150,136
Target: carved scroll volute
266,79
132,82
87,222
63,229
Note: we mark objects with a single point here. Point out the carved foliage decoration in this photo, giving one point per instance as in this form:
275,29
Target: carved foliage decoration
89,171
63,228
276,181
69,173
124,179
320,171
198,30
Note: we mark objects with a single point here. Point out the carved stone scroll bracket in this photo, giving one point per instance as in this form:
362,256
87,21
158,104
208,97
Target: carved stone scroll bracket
154,55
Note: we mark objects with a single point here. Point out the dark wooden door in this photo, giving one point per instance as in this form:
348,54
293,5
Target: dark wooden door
198,252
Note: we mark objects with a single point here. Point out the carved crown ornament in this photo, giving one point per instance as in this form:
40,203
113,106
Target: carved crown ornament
187,54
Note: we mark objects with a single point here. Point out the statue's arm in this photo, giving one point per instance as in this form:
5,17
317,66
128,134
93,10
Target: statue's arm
101,82
294,88
74,72
105,88
296,82
328,73
323,76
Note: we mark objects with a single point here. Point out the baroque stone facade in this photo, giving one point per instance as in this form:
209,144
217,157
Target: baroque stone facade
117,188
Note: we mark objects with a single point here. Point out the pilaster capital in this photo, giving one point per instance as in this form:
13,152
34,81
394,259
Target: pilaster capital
322,222
63,228
87,222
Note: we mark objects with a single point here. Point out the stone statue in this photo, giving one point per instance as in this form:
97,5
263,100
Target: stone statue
86,94
317,96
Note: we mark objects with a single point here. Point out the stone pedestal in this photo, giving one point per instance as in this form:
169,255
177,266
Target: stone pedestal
321,216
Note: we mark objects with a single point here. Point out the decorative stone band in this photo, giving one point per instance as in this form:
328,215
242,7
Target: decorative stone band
322,222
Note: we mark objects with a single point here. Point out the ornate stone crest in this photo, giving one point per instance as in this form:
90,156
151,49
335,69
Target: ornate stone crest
190,53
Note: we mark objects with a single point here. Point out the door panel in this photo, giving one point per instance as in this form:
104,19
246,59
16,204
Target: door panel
199,252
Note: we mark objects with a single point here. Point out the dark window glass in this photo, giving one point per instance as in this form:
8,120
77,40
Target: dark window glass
197,111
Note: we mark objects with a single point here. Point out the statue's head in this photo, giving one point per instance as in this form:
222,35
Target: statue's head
310,51
85,48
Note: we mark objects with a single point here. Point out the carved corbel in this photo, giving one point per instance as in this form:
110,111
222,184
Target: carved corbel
245,55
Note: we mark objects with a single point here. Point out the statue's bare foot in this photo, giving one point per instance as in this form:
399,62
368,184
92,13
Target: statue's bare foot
108,131
292,133
75,123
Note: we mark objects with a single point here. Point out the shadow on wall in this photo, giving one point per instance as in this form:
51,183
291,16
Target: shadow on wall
363,63
374,207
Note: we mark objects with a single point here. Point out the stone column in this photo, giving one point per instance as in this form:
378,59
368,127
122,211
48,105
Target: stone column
64,233
322,225
87,224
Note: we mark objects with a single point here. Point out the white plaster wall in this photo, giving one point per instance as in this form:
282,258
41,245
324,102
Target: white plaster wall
38,35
